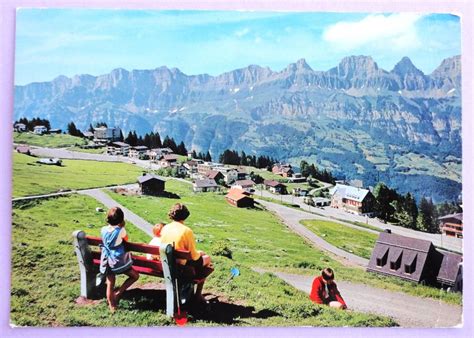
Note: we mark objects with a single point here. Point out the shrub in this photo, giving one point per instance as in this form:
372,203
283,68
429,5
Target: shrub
221,248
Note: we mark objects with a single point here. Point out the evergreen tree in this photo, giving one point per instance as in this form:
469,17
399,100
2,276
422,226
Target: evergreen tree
304,168
91,128
120,136
384,197
72,130
427,220
182,149
193,154
208,157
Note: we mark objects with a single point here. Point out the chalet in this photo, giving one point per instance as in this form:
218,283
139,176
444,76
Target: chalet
192,165
50,161
205,185
104,135
138,152
55,131
88,135
282,170
300,192
23,150
118,148
230,175
19,127
275,187
40,130
297,178
151,184
182,170
156,154
351,199
451,225
321,201
169,160
415,260
239,198
204,168
215,175
246,185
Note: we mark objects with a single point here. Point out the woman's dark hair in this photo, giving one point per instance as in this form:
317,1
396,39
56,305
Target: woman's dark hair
327,274
115,216
178,212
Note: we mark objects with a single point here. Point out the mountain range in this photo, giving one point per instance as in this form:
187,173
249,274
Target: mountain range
402,126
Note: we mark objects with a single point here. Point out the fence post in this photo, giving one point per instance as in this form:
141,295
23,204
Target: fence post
86,267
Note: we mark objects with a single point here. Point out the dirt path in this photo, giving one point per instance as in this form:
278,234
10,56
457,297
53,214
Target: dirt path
292,219
406,310
109,202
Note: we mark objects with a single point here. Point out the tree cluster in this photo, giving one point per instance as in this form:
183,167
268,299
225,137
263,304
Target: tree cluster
36,121
73,131
201,156
403,209
233,157
153,140
310,170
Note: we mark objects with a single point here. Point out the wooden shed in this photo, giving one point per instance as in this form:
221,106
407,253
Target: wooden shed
239,198
151,184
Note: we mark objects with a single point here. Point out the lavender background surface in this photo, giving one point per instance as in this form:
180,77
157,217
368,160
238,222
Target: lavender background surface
464,8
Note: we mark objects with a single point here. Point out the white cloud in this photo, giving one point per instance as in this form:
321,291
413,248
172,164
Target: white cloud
395,31
242,32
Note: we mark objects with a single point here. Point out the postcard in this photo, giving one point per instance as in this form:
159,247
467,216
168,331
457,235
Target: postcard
237,168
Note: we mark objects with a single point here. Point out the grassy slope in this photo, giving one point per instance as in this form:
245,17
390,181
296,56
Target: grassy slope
51,140
45,273
359,242
213,220
31,178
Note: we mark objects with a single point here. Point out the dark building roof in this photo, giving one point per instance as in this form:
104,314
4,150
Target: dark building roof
213,174
140,148
119,144
206,183
449,268
170,157
413,259
456,217
245,183
272,183
148,177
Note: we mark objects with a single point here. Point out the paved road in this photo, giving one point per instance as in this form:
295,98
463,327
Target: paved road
442,241
406,310
292,218
109,202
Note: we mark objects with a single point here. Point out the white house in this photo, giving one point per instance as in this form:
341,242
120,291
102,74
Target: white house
118,148
40,130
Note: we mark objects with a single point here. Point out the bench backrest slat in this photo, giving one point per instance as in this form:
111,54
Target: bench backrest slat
140,247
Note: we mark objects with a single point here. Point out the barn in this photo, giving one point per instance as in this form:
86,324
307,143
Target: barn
151,184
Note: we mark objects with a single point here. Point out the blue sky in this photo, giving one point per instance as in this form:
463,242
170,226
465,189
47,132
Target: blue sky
53,42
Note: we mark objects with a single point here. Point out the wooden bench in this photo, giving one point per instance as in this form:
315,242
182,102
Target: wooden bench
166,267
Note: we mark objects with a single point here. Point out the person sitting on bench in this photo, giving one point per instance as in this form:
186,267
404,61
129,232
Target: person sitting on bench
324,290
183,239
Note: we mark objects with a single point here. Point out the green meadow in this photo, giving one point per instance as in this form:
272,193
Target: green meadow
259,239
48,140
45,272
31,178
358,242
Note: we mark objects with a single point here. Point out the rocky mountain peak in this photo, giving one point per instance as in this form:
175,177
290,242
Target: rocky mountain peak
450,67
356,66
405,66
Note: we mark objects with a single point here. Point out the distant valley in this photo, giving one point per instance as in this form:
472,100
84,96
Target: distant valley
402,126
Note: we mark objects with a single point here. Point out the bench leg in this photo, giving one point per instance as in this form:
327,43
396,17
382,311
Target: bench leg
86,267
166,255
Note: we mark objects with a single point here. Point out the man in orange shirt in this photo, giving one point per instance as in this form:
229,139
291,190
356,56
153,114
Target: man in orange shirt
183,239
324,290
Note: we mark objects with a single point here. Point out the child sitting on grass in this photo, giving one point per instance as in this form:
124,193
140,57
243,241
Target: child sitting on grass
156,240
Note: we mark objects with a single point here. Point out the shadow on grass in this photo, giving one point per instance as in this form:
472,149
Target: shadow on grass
216,311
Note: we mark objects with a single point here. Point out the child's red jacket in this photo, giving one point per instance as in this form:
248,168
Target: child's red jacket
318,292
